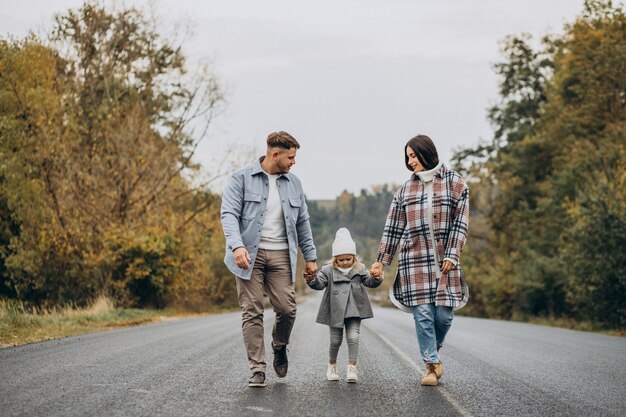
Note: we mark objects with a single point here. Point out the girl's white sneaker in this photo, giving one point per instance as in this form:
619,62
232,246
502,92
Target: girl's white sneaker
351,374
331,373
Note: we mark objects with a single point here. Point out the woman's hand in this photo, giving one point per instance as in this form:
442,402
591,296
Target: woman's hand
447,267
377,269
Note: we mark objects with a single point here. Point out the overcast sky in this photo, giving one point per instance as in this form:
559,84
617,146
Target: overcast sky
352,80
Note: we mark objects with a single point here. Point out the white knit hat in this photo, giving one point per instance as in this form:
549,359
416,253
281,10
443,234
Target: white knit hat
343,243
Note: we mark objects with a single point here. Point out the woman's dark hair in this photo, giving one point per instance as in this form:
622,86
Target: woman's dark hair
425,152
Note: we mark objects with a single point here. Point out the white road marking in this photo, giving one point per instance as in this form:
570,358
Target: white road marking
260,409
413,364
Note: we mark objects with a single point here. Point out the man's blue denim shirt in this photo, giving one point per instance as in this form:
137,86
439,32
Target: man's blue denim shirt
243,213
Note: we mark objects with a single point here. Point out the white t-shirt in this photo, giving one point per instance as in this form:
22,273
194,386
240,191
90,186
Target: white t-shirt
273,233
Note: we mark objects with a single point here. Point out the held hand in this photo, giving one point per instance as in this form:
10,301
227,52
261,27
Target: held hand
377,269
310,269
242,257
308,278
447,267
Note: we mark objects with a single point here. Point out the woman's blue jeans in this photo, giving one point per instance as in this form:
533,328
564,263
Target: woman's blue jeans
431,324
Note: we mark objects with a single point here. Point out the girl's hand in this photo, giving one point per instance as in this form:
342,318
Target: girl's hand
377,269
447,267
308,278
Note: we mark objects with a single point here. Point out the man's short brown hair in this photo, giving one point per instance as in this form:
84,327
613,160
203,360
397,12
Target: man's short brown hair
282,140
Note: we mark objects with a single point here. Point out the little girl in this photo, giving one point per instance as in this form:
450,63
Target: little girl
345,302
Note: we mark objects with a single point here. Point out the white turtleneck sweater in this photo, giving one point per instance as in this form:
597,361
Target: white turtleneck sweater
428,177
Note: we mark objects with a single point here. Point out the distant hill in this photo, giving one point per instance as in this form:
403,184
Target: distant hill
327,205
364,215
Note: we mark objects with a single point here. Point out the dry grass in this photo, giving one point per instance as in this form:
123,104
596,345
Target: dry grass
20,324
565,323
585,326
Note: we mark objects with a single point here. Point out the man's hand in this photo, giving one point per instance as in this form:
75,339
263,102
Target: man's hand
310,270
242,257
377,269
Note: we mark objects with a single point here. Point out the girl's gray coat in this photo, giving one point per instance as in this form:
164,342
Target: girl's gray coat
338,287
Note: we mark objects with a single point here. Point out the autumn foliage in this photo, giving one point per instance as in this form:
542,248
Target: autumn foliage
98,191
548,234
99,125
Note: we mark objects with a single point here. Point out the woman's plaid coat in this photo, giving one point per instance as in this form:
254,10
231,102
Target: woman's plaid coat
407,233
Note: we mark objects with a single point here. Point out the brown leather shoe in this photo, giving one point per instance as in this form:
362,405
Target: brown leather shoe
257,380
281,363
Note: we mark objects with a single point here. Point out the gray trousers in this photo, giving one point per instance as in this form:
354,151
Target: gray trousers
353,330
271,274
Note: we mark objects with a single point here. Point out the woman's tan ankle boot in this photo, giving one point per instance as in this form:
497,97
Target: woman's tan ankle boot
431,376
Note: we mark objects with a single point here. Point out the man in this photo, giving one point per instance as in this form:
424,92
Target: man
264,216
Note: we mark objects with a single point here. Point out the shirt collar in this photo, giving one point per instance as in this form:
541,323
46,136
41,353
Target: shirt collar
256,168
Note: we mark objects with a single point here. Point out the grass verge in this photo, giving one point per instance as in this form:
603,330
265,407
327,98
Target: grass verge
20,325
565,323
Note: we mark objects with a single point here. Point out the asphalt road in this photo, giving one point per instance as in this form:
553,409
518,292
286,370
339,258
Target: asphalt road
198,367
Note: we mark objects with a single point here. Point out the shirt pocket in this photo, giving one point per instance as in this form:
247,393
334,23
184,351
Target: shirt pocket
444,207
251,204
295,203
416,222
405,241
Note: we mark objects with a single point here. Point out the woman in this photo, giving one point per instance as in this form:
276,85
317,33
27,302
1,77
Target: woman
427,225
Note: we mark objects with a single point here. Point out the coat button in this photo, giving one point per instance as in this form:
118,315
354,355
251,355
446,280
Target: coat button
335,292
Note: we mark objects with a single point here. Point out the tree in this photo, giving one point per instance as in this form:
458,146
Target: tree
551,204
99,133
588,116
